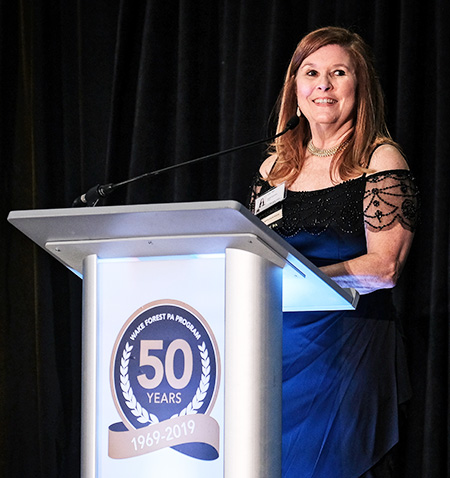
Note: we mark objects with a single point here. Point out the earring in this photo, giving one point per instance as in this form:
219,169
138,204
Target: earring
299,113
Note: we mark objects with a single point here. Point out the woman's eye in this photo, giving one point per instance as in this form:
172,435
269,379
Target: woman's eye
311,73
339,73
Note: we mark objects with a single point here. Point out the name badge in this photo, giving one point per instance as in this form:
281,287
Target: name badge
269,198
268,206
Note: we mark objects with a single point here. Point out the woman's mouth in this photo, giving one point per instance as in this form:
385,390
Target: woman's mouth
323,101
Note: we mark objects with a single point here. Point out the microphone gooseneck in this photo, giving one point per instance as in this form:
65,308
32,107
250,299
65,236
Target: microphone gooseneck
291,124
93,195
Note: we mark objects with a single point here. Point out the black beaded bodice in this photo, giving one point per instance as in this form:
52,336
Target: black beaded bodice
341,213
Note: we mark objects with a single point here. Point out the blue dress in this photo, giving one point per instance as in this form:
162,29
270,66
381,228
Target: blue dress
344,373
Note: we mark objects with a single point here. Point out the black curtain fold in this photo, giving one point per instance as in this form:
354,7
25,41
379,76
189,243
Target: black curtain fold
103,90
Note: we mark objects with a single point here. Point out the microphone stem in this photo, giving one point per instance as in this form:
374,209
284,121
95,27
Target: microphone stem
196,160
92,197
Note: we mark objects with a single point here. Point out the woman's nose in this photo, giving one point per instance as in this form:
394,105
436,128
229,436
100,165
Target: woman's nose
324,85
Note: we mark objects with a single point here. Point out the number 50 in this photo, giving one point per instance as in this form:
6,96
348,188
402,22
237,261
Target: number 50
151,360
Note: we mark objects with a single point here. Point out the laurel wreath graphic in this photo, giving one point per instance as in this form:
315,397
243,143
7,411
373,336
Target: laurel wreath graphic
203,386
127,391
139,411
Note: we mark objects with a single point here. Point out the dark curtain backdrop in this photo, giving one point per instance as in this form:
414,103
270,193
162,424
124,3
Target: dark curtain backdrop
98,91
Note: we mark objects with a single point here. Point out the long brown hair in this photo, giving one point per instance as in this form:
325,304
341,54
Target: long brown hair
369,122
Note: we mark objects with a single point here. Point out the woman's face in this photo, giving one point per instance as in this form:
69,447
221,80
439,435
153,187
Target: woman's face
326,87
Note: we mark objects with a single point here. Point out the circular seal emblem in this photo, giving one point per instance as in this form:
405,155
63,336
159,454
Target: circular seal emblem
165,364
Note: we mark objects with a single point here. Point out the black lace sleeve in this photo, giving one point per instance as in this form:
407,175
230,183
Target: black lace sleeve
391,196
257,187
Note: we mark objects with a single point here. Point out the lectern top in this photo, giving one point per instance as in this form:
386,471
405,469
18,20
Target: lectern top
155,230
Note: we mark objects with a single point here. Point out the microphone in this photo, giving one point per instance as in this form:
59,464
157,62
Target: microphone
93,195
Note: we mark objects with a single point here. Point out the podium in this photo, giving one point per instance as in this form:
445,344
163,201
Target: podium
182,334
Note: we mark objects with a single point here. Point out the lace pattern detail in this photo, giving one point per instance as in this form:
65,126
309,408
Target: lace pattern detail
257,187
389,197
377,201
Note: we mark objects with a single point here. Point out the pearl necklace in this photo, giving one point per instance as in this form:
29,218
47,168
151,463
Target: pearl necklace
323,153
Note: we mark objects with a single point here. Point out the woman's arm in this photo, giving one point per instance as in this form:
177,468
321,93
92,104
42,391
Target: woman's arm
380,268
387,247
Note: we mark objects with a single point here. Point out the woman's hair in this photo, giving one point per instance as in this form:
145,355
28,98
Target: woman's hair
369,122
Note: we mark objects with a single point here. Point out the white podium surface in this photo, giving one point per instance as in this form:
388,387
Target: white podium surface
182,326
159,230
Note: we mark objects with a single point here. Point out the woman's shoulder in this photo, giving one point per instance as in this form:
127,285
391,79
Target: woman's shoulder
387,157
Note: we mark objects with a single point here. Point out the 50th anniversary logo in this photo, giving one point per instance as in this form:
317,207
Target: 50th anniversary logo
165,376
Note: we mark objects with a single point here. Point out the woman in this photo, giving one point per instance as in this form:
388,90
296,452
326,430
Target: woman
350,208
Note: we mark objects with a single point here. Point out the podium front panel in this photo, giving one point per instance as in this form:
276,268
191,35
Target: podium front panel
155,363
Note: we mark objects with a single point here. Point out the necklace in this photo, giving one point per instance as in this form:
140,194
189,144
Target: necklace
323,153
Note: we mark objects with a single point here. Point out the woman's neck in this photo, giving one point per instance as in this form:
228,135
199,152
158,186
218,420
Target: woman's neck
327,136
